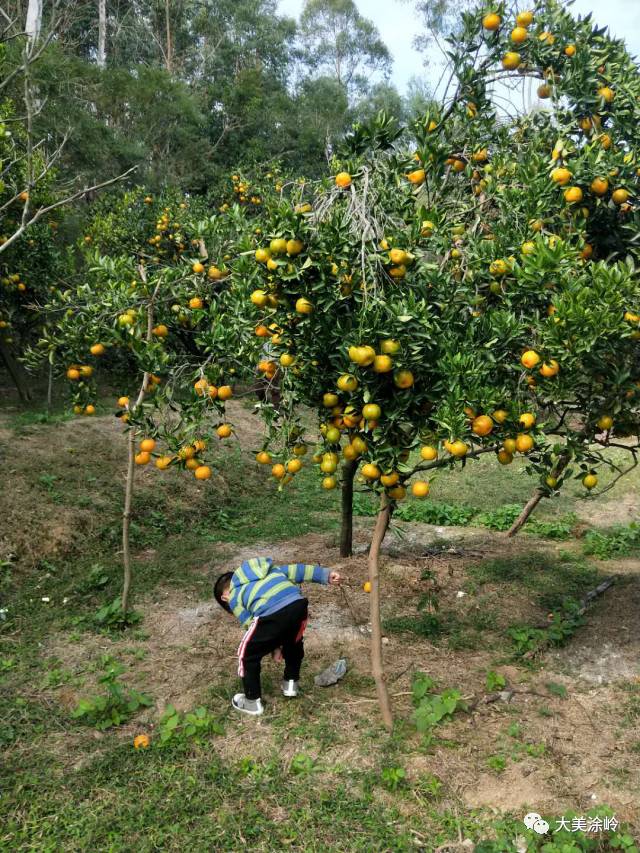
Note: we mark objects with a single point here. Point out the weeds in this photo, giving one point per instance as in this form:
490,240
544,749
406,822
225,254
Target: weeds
193,725
433,708
113,707
618,542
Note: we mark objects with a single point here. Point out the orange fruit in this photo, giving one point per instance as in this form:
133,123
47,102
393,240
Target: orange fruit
504,457
123,402
213,392
328,465
263,457
142,458
561,176
605,422
259,298
398,256
329,483
195,302
371,412
397,493
527,419
550,368
500,416
73,374
511,60
366,586
482,425
200,387
570,50
590,481
225,392
509,445
599,186
524,443
197,267
262,255
163,462
620,196
86,371
214,273
202,472
294,247
530,359
224,430
286,359
417,177
420,489
278,471
90,409
524,19
148,444
390,479
303,306
519,35
491,21
343,180
347,382
403,379
262,331
141,741
382,364
294,465
573,195
278,246
370,471
607,94
428,453
98,349
456,448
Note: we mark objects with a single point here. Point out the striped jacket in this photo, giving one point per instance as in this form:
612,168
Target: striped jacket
258,588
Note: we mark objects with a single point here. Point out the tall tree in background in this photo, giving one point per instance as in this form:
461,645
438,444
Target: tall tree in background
340,43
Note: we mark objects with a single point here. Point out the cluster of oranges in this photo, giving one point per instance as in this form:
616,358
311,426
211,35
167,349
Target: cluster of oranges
284,472
13,281
241,191
186,456
599,186
204,388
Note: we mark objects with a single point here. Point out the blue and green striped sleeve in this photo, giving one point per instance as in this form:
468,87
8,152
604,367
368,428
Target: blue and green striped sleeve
303,573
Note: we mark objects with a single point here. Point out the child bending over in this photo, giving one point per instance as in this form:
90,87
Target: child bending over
268,602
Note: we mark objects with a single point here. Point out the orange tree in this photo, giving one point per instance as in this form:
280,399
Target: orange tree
160,309
472,294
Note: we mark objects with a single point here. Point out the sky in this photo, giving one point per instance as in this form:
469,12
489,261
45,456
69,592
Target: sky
397,23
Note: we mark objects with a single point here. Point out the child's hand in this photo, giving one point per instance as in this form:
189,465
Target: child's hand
335,578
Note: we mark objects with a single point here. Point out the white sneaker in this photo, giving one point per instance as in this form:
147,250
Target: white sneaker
290,688
247,706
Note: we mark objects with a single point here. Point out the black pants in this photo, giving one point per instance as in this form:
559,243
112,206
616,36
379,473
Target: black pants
282,629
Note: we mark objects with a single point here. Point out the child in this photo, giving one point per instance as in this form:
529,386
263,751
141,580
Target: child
267,601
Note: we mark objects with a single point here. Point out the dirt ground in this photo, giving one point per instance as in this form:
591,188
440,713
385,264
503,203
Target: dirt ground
192,645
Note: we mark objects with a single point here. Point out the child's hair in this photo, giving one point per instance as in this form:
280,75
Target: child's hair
220,586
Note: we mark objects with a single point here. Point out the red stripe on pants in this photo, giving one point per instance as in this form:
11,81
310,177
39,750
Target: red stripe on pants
300,634
243,646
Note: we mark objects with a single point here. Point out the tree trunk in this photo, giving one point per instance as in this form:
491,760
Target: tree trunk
50,389
346,525
537,496
169,38
15,372
102,33
377,667
33,23
131,464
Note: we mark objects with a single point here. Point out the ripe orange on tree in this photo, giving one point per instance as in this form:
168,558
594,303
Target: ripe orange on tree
343,180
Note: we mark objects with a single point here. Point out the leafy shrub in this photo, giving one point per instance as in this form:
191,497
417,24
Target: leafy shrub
618,542
112,616
433,708
175,725
528,640
393,778
432,512
558,529
494,681
501,518
115,706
